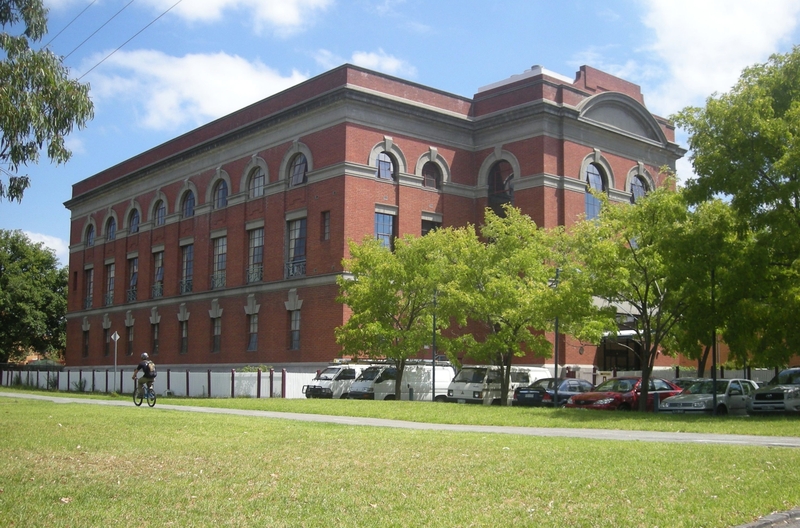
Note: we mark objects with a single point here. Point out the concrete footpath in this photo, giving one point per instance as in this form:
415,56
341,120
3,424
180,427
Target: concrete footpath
789,519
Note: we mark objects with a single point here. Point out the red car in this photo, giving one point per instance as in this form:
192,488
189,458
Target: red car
622,394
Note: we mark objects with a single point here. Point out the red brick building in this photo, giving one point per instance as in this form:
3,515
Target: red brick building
222,246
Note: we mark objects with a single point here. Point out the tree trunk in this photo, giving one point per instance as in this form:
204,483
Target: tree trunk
398,384
701,362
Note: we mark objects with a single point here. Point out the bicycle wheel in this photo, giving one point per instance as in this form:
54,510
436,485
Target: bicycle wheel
151,397
137,396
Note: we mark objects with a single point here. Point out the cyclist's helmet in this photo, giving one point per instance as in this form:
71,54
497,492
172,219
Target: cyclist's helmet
145,356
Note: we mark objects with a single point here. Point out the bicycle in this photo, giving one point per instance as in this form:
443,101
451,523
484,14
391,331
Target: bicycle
143,392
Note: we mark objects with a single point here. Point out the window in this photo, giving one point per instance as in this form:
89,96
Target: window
221,194
638,189
220,262
129,339
88,287
187,207
298,170
217,334
500,191
386,167
160,212
252,323
158,274
106,341
184,337
255,255
296,254
133,280
134,222
255,187
431,175
429,225
155,339
90,236
187,268
385,229
594,181
85,343
109,296
325,226
111,229
294,330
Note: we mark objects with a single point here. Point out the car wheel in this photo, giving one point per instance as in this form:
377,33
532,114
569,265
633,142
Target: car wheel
624,407
389,397
722,410
441,399
344,396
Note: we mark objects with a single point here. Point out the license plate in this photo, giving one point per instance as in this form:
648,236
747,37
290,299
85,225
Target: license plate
528,396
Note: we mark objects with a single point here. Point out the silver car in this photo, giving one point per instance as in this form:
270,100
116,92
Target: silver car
732,397
781,395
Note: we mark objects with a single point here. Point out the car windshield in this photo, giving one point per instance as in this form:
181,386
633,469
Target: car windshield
470,375
546,383
616,385
327,374
787,377
369,374
706,387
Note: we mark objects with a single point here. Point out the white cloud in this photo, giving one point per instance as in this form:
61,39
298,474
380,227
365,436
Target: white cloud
61,247
174,92
284,16
374,60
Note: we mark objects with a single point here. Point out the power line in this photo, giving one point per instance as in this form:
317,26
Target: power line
70,23
130,39
98,29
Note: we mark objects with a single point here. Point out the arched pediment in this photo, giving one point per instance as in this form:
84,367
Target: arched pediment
620,111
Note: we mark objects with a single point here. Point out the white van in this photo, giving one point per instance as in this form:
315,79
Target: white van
481,383
334,381
378,381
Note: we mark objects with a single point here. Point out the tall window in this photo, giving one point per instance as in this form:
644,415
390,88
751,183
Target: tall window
184,337
255,187
111,229
296,254
386,170
133,278
129,339
187,268
106,341
252,323
187,207
155,339
221,194
88,287
431,175
385,229
109,296
500,191
158,274
220,262
255,255
90,235
216,334
294,330
429,225
594,181
325,226
298,170
160,212
85,343
134,221
638,189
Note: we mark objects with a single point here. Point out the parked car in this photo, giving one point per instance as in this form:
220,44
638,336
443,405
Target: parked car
780,395
732,396
334,381
686,382
378,381
542,392
622,394
481,383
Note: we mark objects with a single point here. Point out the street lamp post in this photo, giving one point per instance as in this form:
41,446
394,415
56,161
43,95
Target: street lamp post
555,350
433,352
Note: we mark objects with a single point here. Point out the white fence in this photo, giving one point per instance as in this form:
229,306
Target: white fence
205,384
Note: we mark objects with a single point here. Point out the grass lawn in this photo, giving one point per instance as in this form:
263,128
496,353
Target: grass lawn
70,465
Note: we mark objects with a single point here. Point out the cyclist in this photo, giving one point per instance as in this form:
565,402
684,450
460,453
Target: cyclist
148,369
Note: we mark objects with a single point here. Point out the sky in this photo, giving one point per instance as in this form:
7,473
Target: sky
160,68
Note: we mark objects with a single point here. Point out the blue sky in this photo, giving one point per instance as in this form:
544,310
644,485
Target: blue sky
198,60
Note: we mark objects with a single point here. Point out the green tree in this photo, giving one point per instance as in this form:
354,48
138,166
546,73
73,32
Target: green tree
506,295
391,295
39,104
33,298
745,145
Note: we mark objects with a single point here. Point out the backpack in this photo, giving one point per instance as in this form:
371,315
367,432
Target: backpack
150,370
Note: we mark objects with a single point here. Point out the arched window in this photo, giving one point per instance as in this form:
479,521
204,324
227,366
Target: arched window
500,189
221,194
187,208
134,222
90,235
638,188
298,169
386,167
596,182
255,186
160,212
111,229
431,175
